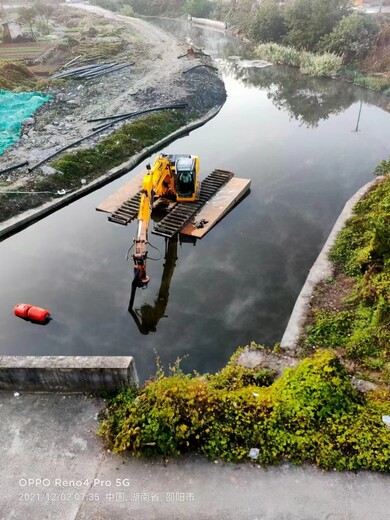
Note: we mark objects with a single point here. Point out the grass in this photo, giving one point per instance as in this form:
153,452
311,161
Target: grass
320,65
91,163
378,83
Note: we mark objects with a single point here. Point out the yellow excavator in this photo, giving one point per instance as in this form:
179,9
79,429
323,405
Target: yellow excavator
171,179
190,209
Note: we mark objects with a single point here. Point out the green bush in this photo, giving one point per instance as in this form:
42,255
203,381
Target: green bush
279,54
127,10
156,7
311,413
111,5
330,329
309,20
268,25
324,65
198,8
353,37
317,65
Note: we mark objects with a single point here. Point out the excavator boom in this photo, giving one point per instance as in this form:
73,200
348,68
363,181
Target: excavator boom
173,177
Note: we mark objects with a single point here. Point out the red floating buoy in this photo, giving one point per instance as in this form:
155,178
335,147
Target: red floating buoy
30,312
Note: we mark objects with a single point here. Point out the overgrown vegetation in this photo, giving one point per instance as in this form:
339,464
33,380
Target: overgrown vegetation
311,414
90,163
324,65
362,251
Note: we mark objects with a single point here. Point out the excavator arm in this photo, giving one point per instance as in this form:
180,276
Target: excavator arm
157,182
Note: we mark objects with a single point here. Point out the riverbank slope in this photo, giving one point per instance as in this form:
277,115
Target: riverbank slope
158,78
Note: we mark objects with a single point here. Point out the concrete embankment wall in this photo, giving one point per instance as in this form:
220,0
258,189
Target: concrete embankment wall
66,373
321,270
210,23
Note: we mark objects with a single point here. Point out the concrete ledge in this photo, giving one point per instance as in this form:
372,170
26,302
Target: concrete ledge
66,373
321,270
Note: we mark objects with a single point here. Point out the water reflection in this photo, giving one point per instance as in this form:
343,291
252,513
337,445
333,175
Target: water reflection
147,316
307,100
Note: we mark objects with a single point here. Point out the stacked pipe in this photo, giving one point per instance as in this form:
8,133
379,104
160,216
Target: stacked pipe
127,115
92,71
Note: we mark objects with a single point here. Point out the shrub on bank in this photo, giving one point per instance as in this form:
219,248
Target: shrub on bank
317,65
325,65
312,413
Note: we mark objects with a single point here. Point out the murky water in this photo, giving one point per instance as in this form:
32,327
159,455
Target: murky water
301,143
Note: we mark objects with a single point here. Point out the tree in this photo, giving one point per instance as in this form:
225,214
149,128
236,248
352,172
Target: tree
269,24
352,37
156,7
27,15
198,8
308,20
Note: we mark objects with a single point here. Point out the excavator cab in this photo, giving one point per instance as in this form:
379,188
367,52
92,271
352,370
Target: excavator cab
186,178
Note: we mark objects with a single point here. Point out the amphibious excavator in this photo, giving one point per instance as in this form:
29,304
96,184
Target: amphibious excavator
190,208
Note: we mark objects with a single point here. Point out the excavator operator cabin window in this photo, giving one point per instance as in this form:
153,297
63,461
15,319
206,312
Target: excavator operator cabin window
185,174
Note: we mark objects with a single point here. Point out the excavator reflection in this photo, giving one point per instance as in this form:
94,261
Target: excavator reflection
147,316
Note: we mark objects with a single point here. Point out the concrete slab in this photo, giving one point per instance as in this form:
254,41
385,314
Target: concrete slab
51,440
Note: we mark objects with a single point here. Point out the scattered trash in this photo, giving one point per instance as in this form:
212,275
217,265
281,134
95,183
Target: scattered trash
386,420
16,394
254,453
201,224
255,394
253,64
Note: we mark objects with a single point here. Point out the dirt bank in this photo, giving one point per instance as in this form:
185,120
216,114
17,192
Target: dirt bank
157,77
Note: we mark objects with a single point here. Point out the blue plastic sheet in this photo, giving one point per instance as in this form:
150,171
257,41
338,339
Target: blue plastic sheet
14,108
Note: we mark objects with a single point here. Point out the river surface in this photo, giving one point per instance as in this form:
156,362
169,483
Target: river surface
306,150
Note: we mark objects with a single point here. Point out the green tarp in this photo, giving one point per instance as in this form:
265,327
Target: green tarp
14,108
